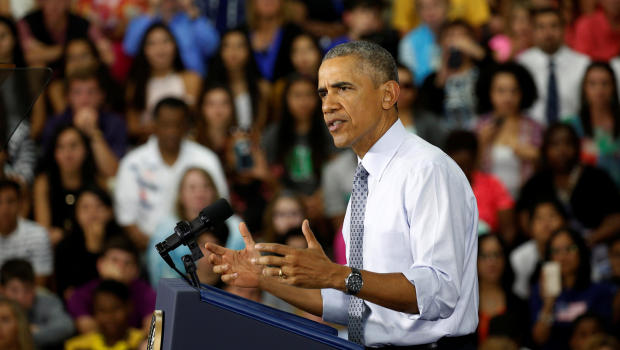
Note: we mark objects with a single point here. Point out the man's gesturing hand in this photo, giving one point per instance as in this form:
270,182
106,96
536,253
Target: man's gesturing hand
235,266
305,268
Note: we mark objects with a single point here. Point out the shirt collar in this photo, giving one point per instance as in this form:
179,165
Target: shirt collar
379,155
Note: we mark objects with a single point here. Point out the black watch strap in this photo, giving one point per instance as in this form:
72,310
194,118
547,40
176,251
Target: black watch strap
354,281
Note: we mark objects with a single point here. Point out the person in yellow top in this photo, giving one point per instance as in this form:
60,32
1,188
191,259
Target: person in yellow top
405,17
111,309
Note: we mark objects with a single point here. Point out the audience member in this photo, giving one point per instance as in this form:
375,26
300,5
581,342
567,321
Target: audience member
234,66
518,36
546,216
10,46
419,50
49,322
598,121
551,315
321,18
225,14
216,119
119,262
450,91
286,211
156,73
195,192
68,166
106,131
75,257
495,205
194,35
509,139
557,69
112,305
22,238
584,328
148,175
495,279
15,331
602,342
598,34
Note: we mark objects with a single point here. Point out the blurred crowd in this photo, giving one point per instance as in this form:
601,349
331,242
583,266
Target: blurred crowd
158,108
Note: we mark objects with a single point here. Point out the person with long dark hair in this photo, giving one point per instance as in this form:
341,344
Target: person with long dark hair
10,47
235,67
598,121
156,72
552,315
68,166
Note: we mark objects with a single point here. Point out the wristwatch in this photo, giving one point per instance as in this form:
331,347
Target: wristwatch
354,281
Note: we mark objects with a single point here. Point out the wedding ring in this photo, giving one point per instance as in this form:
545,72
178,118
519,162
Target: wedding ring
281,274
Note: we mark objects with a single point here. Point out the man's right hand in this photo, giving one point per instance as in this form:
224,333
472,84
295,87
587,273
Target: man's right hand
235,266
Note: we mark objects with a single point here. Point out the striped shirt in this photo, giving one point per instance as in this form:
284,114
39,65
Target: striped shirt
29,241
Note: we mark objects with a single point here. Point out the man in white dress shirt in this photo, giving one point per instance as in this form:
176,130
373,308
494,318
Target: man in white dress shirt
550,60
417,282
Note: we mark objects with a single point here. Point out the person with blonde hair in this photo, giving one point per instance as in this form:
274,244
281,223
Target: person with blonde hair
14,329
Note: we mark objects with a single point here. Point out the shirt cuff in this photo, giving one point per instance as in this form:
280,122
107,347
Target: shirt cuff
434,302
335,306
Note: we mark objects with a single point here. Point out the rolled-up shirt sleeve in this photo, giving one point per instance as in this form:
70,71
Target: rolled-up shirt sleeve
335,306
435,199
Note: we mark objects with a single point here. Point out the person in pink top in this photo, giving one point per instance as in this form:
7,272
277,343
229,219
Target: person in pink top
598,34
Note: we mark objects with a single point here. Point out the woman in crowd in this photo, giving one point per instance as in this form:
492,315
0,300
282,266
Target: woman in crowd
552,315
518,37
495,279
10,47
14,327
285,212
216,120
196,191
598,122
235,66
156,72
68,167
509,139
75,258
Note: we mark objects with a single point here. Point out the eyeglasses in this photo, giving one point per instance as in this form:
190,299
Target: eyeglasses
559,250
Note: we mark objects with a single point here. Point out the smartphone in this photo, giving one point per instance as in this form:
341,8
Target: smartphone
455,58
243,153
552,279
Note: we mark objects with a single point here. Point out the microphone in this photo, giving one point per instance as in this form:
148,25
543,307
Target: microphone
185,232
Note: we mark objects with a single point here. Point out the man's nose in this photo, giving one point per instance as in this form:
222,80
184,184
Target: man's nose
329,104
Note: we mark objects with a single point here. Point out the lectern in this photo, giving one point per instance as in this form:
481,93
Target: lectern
209,318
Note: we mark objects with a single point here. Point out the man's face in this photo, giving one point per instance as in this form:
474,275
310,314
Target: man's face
9,208
21,292
548,32
351,102
170,127
84,94
111,314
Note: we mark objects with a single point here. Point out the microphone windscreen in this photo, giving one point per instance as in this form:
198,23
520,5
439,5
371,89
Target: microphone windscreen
217,212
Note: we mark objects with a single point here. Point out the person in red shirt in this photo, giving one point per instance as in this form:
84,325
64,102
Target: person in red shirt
598,34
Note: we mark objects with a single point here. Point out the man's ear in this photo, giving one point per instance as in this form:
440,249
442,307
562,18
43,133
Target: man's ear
391,91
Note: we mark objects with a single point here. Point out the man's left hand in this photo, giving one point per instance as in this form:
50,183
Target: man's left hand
304,268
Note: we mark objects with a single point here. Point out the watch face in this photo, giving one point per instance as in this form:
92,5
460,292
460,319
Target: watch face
354,283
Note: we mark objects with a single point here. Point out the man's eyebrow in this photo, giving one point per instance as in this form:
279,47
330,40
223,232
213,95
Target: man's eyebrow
336,85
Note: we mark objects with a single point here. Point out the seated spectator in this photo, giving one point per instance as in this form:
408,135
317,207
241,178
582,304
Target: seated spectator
552,316
194,35
598,121
196,191
495,279
419,49
509,139
81,55
216,119
545,217
157,72
235,67
11,50
22,238
416,120
320,18
495,205
148,176
224,14
597,34
586,192
270,37
120,262
450,90
44,31
557,69
49,322
285,212
15,329
106,131
584,328
298,146
75,257
602,342
112,305
68,166
518,36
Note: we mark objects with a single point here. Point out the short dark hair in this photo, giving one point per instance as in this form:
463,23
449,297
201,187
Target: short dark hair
551,130
524,79
16,269
171,102
121,242
115,288
548,200
456,23
535,12
83,75
11,185
373,56
350,5
461,140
